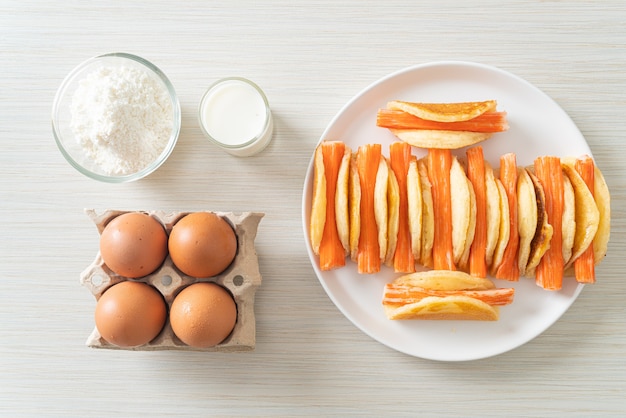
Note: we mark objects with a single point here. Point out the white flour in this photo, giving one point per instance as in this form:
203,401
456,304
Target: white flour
122,118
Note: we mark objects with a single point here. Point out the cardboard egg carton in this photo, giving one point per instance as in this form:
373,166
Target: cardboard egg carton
241,278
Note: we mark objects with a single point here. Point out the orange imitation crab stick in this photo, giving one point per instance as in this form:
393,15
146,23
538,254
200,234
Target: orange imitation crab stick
397,119
509,267
584,266
400,157
368,254
549,273
476,175
332,253
439,164
403,295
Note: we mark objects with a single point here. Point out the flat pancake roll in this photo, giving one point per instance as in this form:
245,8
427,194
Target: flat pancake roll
374,209
527,217
444,295
543,232
549,272
442,125
329,224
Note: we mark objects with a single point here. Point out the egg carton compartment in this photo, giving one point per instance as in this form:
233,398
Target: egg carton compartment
241,279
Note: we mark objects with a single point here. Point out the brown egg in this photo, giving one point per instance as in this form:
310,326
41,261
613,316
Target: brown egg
133,244
130,314
202,244
203,315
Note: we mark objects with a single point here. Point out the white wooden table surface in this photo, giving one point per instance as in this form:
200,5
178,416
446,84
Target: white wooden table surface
310,58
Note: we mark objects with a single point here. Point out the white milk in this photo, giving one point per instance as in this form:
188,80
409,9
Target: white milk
234,113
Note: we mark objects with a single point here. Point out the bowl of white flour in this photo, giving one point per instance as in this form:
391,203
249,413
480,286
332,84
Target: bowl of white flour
116,118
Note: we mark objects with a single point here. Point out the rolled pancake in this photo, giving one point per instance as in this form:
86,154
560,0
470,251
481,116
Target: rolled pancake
414,199
318,201
543,233
354,208
586,212
342,201
526,217
505,227
393,215
428,216
493,213
440,139
381,206
461,209
603,202
568,223
445,308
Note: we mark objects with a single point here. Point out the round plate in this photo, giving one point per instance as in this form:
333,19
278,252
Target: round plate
538,126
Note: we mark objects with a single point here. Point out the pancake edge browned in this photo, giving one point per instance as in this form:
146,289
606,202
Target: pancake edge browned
543,234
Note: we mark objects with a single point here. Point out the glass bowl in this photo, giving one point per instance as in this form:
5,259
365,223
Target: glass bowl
85,148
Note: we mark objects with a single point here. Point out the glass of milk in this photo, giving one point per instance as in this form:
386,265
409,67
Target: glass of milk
235,115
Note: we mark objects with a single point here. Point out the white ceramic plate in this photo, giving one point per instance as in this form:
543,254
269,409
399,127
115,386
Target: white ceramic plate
538,126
